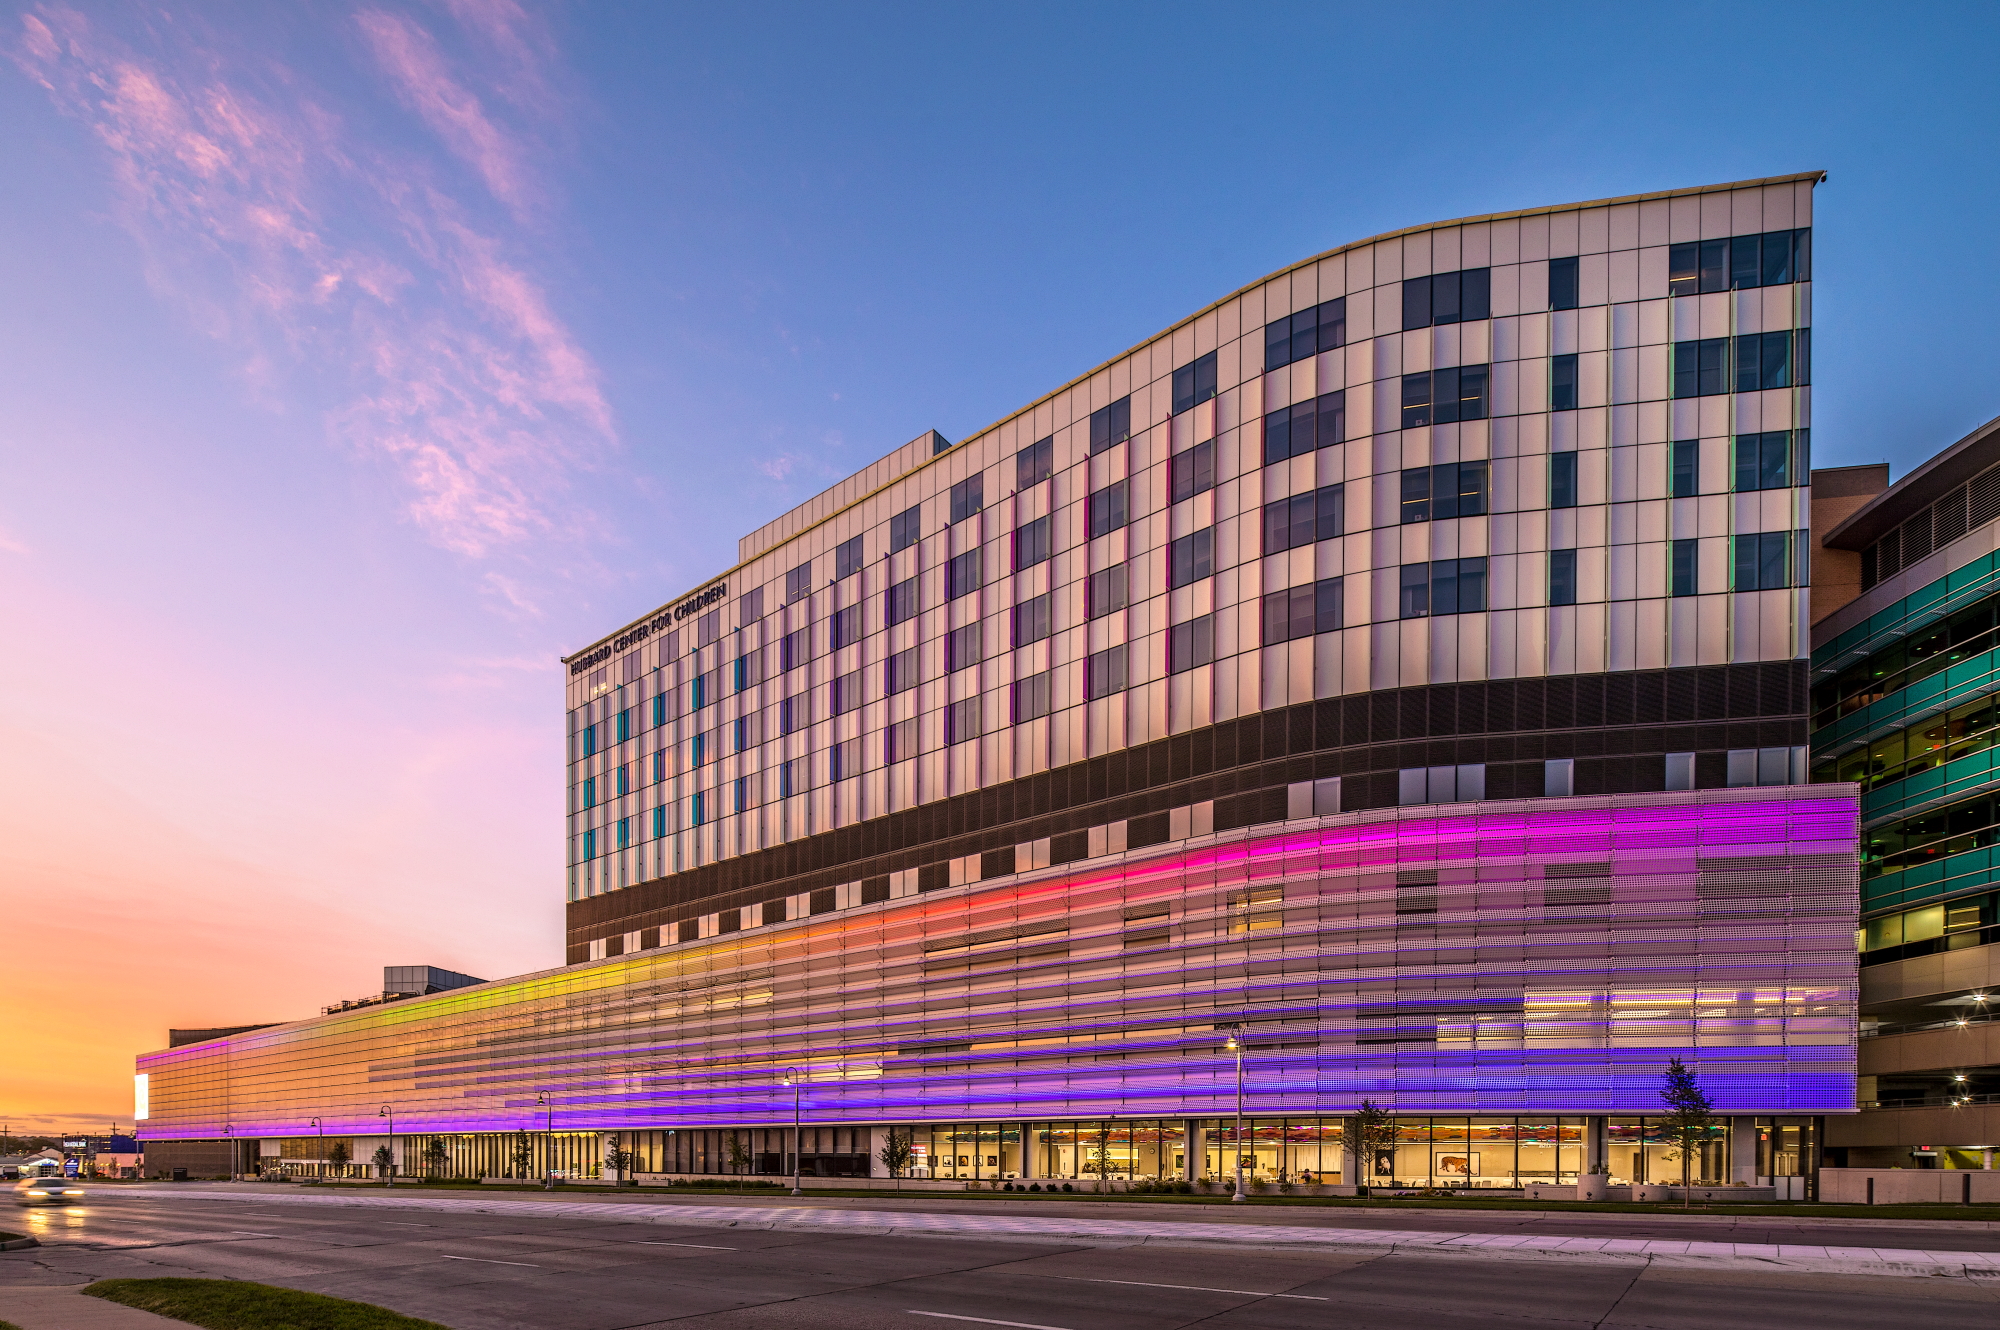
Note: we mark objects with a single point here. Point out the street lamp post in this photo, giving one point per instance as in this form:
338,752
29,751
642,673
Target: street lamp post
387,1112
1235,1046
548,1141
797,1078
322,1141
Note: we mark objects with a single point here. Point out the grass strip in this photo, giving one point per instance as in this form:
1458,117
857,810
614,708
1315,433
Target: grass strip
233,1304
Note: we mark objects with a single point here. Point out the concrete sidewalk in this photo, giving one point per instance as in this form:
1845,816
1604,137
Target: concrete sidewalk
858,1219
64,1307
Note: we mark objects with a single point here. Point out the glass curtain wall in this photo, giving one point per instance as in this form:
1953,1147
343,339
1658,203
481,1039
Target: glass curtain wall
1637,1149
570,1154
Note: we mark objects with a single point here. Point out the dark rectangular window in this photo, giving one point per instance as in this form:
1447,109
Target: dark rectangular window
904,528
590,844
900,602
1109,508
659,821
1764,360
1562,383
1563,284
968,496
700,693
1701,368
590,792
961,721
1447,297
1033,696
961,648
845,693
589,740
660,766
843,760
742,734
899,742
1302,611
1107,591
846,558
1451,489
1305,518
1562,575
1032,620
1191,472
799,583
795,648
624,725
1191,558
1684,568
624,832
1763,561
795,713
1296,430
1306,333
1194,383
1773,258
1104,673
1111,425
1035,463
1771,461
1191,644
1031,543
746,671
660,710
700,749
901,674
1562,480
1686,463
961,575
1444,586
1441,396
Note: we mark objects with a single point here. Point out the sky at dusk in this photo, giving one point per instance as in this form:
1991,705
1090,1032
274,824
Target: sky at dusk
357,361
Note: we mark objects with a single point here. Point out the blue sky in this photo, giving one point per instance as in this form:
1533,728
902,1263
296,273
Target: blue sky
360,359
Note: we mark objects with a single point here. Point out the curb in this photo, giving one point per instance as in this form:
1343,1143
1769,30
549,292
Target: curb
19,1244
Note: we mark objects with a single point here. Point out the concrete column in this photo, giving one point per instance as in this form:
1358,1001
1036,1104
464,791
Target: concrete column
1596,1138
1353,1170
1190,1150
1743,1150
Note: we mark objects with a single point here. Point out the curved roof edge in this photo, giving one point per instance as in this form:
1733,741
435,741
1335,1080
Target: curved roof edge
1547,210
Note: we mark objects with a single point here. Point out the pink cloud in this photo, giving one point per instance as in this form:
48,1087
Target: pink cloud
409,56
313,254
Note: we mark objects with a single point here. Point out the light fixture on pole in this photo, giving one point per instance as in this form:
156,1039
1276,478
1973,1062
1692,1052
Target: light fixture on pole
796,1079
322,1140
1235,1045
548,1142
390,1172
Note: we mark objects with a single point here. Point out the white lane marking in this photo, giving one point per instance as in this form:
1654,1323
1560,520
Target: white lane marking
702,1246
484,1261
393,1224
246,1233
1189,1288
987,1320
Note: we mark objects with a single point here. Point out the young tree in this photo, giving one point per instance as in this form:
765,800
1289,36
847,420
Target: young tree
1373,1128
339,1155
618,1159
896,1154
436,1156
1100,1155
385,1163
739,1154
1690,1120
523,1154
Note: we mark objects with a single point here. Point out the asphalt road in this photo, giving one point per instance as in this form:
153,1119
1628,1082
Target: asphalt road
489,1272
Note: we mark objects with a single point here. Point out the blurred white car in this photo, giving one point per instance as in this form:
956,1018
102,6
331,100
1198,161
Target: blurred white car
47,1191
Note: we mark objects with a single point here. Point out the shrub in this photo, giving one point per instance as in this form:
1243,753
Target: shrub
1068,1187
1184,1188
1034,1186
